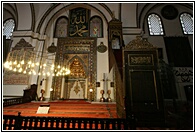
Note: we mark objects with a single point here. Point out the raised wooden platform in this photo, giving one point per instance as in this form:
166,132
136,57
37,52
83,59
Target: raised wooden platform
65,108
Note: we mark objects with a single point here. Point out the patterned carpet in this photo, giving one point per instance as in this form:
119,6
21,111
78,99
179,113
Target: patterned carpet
85,109
65,108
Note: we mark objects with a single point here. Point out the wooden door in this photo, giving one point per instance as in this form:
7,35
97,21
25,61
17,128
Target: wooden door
143,92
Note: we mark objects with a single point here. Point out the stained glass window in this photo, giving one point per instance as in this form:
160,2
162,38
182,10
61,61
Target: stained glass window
96,27
8,28
187,23
155,25
61,27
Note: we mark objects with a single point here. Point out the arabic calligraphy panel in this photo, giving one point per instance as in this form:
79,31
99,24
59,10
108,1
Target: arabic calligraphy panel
145,59
78,25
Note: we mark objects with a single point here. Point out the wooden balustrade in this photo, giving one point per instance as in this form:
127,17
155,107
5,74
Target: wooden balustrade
14,101
28,96
11,122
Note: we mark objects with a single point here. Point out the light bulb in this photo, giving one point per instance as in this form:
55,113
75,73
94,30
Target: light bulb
15,62
33,64
22,62
10,63
29,62
34,73
6,64
68,72
20,70
18,65
48,73
10,68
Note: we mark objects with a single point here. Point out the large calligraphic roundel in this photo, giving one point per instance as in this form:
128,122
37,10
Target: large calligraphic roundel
169,12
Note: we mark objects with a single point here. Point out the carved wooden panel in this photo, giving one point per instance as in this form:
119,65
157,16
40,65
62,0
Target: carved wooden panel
144,98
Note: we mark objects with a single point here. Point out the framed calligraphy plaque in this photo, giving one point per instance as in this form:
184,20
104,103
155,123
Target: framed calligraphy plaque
145,59
78,24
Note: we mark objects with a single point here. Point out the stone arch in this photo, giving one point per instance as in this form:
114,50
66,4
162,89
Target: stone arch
27,22
49,16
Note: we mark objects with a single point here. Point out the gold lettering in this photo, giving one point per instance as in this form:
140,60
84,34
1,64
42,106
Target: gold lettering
73,21
83,19
79,31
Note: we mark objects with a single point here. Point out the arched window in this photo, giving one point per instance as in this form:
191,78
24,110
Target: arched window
96,27
155,25
8,28
61,27
187,23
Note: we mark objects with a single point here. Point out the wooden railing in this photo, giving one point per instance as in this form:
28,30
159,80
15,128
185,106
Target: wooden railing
19,122
14,101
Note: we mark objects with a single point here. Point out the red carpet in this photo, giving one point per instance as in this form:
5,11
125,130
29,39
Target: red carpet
65,108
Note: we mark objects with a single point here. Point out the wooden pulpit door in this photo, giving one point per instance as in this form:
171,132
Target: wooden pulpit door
143,92
142,85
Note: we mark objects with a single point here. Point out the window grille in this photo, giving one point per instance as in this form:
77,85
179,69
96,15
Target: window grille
187,23
8,28
155,26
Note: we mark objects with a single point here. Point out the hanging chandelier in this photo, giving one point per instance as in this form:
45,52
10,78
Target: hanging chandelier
26,61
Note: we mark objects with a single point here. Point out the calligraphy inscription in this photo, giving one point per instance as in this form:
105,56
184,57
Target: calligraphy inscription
79,22
77,48
140,60
183,74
